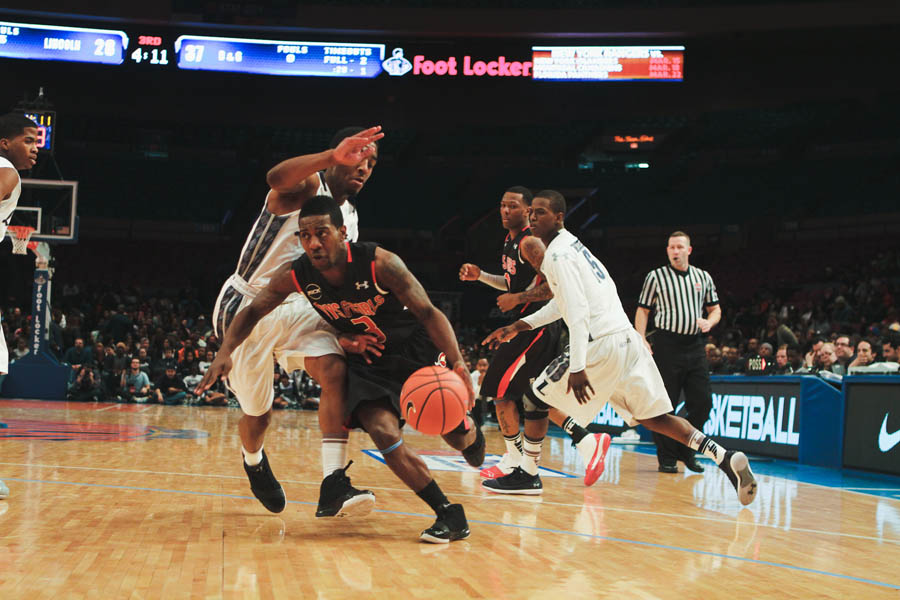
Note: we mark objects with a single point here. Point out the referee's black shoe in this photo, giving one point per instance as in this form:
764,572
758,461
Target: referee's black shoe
337,498
474,454
668,467
264,485
690,461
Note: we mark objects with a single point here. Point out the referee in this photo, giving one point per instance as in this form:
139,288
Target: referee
679,293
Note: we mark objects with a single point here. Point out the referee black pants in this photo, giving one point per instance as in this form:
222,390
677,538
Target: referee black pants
681,361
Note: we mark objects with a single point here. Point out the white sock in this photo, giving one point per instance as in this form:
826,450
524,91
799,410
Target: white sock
707,446
252,458
514,449
334,453
531,458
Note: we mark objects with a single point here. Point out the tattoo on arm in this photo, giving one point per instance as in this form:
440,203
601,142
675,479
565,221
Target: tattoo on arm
536,294
532,249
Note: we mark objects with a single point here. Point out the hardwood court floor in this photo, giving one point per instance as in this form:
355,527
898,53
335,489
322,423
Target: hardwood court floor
126,501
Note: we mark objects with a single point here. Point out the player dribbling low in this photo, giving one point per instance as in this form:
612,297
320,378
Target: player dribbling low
390,329
604,349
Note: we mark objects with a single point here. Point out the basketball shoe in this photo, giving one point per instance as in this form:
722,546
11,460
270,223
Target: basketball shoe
504,467
519,481
474,454
4,491
337,498
737,468
264,485
450,525
593,449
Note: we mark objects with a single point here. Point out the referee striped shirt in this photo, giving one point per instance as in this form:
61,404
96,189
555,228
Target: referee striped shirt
678,297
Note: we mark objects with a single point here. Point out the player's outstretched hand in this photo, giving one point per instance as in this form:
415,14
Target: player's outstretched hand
357,147
469,272
507,302
460,369
499,336
578,383
364,344
220,367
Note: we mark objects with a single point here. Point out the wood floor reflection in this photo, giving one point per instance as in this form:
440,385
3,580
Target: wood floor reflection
129,501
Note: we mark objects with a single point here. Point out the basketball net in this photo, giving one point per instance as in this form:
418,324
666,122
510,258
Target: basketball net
21,239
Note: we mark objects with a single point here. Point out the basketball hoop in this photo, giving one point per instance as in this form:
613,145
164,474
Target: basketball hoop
21,239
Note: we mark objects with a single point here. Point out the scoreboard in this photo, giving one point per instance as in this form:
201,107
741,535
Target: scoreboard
164,47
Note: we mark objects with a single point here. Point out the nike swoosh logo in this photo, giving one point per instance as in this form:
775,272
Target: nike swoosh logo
886,440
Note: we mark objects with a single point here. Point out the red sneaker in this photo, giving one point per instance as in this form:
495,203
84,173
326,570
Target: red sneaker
594,468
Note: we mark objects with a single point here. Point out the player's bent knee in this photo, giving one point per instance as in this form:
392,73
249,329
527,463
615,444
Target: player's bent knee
328,371
535,409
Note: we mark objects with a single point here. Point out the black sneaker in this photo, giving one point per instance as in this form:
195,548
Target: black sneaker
264,485
337,498
474,454
737,467
451,525
517,482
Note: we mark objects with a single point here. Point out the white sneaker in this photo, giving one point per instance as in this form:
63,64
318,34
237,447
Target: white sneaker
4,491
629,435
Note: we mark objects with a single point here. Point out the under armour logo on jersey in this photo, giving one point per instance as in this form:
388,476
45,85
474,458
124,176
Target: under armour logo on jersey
362,286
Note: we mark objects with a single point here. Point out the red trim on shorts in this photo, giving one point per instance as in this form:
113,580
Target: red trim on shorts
511,371
296,283
349,254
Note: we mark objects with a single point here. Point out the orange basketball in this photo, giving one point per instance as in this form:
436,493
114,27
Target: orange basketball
433,400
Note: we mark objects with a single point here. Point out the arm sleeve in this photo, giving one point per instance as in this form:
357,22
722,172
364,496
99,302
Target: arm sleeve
573,305
547,314
712,298
648,292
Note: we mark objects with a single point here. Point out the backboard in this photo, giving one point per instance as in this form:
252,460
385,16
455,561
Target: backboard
51,207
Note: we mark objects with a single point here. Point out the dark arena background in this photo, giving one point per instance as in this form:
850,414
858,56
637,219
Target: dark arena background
768,131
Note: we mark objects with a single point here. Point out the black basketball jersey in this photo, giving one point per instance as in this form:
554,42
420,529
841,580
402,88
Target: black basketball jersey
519,273
359,305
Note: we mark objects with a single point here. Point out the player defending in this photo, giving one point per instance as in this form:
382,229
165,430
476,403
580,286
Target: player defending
604,346
293,332
516,364
18,152
392,327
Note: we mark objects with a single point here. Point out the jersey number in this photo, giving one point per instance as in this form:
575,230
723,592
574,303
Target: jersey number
371,328
579,247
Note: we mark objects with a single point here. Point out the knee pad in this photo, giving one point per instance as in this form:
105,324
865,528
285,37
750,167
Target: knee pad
532,404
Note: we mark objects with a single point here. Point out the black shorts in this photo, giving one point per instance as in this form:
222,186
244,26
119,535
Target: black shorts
521,360
384,379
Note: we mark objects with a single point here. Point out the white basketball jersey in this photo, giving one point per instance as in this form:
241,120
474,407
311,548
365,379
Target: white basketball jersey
9,205
273,241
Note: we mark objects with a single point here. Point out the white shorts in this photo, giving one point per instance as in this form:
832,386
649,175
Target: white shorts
4,353
290,333
621,371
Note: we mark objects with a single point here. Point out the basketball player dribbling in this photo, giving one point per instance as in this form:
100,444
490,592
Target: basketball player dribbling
516,364
391,328
18,152
294,333
604,349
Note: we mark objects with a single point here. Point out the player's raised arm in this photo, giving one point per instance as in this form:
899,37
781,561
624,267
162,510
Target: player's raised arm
279,288
393,275
298,175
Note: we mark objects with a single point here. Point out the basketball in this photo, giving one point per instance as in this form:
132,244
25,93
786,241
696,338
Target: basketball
433,400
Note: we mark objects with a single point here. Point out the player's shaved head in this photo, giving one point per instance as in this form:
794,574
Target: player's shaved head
557,201
522,191
12,125
321,206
